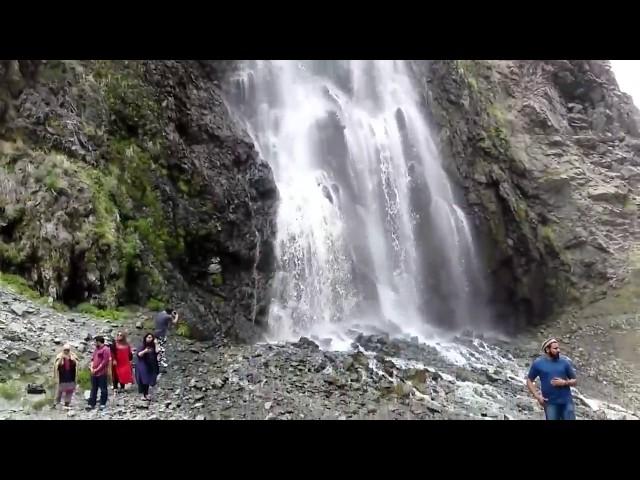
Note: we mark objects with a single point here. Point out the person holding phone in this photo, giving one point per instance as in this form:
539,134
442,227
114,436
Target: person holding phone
147,368
163,321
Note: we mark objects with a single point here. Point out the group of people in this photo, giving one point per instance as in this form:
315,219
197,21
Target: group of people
116,361
555,371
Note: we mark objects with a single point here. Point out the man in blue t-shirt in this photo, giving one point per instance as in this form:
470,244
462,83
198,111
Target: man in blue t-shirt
557,376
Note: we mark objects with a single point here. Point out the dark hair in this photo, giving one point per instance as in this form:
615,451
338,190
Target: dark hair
169,310
99,339
144,340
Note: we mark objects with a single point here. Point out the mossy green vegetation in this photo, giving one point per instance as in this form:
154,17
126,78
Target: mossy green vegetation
9,390
83,379
9,255
57,71
468,69
100,168
183,330
218,299
546,233
18,285
183,186
129,218
126,221
548,238
130,101
105,313
521,211
217,279
495,140
155,304
42,402
138,203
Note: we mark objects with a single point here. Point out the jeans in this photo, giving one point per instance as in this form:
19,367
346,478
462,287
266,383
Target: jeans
565,411
101,383
143,389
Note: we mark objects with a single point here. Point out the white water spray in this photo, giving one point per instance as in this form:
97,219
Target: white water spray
369,233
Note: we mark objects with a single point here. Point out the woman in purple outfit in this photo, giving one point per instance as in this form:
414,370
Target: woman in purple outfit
147,366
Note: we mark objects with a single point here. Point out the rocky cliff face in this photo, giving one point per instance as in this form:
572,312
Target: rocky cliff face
547,154
123,182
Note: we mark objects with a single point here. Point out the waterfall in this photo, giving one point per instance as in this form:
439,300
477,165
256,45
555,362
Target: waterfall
369,232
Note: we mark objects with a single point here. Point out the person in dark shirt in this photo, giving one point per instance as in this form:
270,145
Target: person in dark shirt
557,376
162,323
64,374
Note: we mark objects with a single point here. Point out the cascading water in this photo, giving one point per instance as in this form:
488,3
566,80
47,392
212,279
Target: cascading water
369,233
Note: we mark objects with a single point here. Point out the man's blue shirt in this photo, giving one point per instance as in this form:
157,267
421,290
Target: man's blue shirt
548,369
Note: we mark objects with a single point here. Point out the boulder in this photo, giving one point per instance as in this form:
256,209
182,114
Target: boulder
403,389
217,383
307,343
605,193
628,172
464,375
28,354
31,369
360,359
15,332
416,376
19,308
432,406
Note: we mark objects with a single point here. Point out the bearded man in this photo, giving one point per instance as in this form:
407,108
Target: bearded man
557,376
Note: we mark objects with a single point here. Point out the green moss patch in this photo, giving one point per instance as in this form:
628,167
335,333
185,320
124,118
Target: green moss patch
131,102
183,330
42,402
105,313
109,208
83,379
155,305
9,390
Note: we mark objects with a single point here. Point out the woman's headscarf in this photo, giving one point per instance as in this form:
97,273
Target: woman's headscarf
60,358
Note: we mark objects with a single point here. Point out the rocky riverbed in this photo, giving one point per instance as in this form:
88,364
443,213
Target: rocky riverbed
377,378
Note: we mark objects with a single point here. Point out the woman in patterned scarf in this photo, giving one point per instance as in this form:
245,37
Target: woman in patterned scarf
64,374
